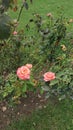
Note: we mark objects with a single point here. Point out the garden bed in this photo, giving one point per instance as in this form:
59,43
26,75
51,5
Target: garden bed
23,108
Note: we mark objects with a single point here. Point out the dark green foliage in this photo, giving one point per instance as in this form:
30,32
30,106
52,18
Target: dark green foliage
9,57
5,27
6,3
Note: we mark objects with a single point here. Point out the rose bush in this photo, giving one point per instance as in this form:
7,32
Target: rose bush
49,48
60,83
20,83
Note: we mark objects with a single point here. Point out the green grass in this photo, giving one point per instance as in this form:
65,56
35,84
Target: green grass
43,7
56,116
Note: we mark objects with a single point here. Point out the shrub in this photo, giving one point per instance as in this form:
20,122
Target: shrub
17,86
50,48
62,85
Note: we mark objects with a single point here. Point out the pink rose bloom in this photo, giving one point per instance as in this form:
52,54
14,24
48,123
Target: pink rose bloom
49,15
29,66
15,33
48,76
23,73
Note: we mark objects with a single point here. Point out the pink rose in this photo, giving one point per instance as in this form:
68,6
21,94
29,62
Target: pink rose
49,15
23,73
48,76
15,33
29,66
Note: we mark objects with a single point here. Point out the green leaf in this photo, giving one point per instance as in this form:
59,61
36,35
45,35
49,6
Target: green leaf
5,94
25,5
24,88
30,84
53,82
41,91
45,88
60,74
62,97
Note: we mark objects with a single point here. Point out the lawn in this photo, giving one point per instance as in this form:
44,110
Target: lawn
42,8
55,115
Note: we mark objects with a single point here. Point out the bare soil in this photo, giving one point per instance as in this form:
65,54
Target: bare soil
24,107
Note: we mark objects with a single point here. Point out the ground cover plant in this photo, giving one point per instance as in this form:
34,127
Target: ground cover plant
35,57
